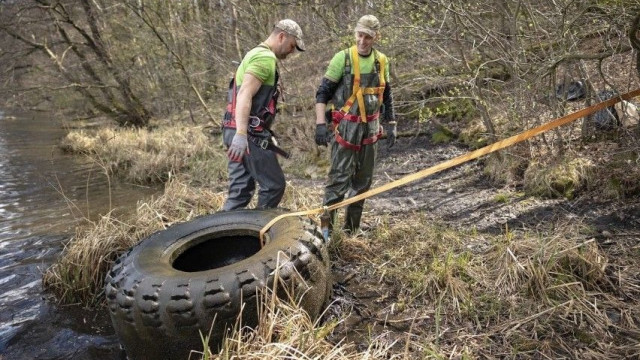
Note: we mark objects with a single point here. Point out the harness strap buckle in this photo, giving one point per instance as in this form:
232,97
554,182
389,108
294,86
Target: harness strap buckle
254,121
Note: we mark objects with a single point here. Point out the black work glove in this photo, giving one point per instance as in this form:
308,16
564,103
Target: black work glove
322,134
391,131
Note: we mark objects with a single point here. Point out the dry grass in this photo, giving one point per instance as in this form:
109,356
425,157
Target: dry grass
298,197
152,156
553,294
558,179
617,172
286,331
78,275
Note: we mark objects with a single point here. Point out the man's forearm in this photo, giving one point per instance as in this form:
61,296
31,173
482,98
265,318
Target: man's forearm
320,110
323,95
243,108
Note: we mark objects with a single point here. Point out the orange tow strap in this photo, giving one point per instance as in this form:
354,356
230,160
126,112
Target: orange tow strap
499,145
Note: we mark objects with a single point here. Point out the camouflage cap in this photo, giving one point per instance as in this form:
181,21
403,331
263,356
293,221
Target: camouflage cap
292,28
368,24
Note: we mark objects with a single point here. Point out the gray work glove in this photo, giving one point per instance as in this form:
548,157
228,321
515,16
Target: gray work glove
322,134
239,145
392,132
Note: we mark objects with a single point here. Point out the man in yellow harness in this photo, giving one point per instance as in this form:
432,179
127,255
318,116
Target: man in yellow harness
357,84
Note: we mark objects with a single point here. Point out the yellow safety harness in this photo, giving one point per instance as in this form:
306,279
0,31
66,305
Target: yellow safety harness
358,92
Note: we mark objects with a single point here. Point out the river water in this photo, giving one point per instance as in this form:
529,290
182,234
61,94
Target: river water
39,187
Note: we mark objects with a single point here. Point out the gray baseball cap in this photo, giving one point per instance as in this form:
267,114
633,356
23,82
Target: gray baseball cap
292,28
368,24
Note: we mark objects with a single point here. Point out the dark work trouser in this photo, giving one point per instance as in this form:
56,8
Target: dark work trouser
351,174
259,166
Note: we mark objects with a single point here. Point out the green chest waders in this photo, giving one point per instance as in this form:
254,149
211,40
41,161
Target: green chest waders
356,126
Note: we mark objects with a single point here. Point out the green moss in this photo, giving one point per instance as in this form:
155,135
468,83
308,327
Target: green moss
625,157
585,337
501,198
441,137
455,109
521,343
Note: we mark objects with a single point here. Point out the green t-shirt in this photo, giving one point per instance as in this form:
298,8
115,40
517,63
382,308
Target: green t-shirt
336,66
259,62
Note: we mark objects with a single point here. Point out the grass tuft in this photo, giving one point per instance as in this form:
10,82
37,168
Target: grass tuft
285,331
78,275
489,294
562,179
152,156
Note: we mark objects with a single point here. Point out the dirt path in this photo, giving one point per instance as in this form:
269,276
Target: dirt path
461,197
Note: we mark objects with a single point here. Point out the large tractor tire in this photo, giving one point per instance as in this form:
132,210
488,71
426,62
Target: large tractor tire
171,286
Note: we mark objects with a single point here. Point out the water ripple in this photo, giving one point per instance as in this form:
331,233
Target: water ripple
39,185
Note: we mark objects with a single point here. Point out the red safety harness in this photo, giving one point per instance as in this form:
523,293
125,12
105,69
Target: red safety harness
260,121
257,124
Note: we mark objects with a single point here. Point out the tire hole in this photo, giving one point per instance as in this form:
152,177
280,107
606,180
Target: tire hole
217,252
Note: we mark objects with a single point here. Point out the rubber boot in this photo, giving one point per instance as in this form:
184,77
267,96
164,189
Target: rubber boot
352,217
333,217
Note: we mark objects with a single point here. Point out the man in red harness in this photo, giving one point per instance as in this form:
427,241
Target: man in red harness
251,109
357,84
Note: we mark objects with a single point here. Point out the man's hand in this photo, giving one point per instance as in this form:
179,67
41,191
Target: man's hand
391,131
322,135
239,146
